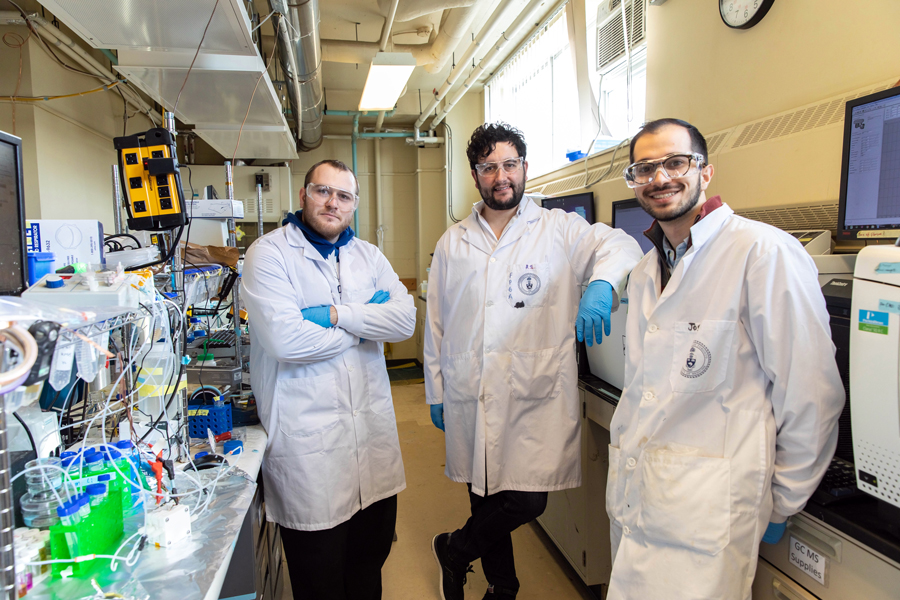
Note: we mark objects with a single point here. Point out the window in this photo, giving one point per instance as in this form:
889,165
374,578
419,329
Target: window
536,92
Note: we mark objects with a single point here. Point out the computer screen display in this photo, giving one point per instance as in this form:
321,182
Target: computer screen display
628,216
13,273
582,204
870,168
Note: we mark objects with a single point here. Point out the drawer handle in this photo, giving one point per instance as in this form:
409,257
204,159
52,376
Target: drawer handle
782,592
828,545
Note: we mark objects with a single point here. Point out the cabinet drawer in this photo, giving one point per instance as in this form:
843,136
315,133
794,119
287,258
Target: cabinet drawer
851,570
772,584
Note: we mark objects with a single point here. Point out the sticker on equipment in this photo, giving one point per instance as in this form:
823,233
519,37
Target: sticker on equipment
807,560
873,321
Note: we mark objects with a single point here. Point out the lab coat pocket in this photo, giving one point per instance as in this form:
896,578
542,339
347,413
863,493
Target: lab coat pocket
308,407
686,501
613,506
702,352
379,386
535,375
527,284
462,374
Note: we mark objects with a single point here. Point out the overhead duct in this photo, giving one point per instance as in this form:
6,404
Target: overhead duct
301,58
407,10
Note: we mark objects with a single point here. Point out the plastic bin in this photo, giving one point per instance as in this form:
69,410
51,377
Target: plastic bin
207,416
39,264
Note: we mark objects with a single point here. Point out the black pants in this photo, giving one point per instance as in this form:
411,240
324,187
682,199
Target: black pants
486,535
344,562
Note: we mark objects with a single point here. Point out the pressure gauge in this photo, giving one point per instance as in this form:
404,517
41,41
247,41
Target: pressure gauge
743,14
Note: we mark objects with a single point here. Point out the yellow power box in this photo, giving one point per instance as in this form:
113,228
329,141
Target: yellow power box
148,169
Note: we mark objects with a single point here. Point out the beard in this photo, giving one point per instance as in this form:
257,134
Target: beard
672,213
325,227
487,194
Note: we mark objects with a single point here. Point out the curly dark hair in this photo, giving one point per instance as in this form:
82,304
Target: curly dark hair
487,136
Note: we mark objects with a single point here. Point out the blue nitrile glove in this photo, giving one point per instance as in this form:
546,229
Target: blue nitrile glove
380,297
320,315
437,416
596,305
774,532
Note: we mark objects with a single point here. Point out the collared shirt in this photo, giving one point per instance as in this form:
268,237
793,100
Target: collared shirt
486,227
655,234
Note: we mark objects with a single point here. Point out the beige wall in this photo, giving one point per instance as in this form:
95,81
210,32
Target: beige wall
463,119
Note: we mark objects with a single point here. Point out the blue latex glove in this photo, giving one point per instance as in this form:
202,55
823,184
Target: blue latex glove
320,315
437,416
596,306
774,532
380,297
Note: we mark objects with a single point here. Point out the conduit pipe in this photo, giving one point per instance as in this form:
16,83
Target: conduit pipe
413,9
521,21
288,59
501,15
75,52
379,214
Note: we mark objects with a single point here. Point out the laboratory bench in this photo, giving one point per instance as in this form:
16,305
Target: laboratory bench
232,552
840,551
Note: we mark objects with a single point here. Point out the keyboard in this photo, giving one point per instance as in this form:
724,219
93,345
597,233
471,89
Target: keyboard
838,484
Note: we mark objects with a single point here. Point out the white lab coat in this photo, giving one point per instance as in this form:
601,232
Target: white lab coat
500,343
323,397
728,417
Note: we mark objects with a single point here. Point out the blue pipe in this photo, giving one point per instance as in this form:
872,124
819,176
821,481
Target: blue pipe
108,54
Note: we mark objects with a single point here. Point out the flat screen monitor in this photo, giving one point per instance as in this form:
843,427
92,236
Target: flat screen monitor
628,216
13,256
869,205
582,204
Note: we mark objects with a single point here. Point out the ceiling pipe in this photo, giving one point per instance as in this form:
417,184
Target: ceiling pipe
54,37
453,28
385,38
288,59
302,18
501,15
524,18
413,9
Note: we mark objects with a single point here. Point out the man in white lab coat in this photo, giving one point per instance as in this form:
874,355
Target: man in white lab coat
500,371
321,303
728,418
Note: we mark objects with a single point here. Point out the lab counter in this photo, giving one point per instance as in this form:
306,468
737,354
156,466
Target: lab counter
197,567
859,545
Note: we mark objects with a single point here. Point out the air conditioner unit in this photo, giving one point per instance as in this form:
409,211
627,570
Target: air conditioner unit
611,37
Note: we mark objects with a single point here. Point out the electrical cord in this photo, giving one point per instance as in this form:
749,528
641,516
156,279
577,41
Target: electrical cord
166,258
450,171
28,431
200,45
118,235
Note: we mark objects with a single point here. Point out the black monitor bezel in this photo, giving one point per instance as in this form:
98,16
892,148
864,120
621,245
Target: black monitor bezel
842,232
620,204
16,142
593,212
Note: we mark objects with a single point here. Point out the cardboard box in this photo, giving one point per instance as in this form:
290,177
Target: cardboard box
72,241
215,209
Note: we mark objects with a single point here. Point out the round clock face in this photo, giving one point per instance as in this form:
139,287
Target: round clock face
743,14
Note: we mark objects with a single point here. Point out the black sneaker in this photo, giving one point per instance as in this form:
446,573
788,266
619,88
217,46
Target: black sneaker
498,593
451,579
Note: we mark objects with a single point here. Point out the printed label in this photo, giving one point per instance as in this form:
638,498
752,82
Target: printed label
891,306
873,321
807,560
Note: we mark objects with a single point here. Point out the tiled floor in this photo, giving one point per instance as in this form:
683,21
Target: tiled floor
432,503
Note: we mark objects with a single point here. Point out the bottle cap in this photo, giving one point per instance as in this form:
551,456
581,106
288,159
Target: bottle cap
95,489
54,281
124,444
93,458
199,454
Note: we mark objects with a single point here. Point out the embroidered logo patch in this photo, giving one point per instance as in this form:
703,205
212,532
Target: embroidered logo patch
529,284
698,361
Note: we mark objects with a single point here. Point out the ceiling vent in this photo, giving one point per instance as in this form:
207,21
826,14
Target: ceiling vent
611,38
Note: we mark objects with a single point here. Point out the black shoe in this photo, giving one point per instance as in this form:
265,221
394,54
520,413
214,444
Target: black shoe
498,593
452,578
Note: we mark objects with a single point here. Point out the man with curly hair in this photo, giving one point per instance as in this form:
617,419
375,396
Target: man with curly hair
500,371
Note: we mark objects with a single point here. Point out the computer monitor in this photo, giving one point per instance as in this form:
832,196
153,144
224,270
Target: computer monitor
13,256
582,204
870,168
628,216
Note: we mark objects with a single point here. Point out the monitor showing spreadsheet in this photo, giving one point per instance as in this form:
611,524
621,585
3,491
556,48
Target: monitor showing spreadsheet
869,206
628,216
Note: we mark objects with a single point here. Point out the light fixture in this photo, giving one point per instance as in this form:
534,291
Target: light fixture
387,77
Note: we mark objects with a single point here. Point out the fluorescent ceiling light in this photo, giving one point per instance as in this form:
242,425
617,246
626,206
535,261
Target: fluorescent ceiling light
387,77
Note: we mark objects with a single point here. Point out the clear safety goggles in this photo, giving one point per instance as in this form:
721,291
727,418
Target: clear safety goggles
509,166
643,172
323,193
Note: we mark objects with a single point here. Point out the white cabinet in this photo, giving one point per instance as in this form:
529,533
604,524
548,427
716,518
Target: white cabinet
576,519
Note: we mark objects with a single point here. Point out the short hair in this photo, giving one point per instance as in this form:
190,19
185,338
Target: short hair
487,136
698,142
336,164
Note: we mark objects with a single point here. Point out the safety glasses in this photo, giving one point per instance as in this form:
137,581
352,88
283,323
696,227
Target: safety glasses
509,166
643,172
323,193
